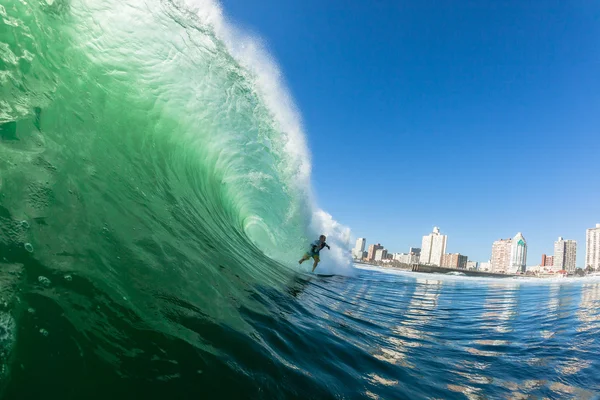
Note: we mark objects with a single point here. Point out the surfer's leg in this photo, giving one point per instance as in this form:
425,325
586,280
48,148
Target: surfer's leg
304,258
316,262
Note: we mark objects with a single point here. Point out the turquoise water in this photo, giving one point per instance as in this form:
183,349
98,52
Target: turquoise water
154,200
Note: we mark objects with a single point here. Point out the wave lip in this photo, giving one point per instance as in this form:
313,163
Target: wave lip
268,82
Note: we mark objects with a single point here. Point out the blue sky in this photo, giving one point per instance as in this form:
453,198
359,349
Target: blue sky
482,118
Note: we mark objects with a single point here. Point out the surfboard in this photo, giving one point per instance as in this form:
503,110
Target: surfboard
318,275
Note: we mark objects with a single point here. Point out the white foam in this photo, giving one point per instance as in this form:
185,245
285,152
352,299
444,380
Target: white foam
251,53
7,338
338,260
460,278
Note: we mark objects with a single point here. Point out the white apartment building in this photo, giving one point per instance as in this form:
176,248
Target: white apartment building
380,254
500,261
360,246
565,255
433,248
592,247
403,258
485,266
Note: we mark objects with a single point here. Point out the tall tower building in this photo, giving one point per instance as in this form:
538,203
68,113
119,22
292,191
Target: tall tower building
571,256
592,247
360,244
359,248
372,249
501,250
565,255
433,248
518,254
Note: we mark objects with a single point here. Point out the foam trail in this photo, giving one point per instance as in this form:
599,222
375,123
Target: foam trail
338,260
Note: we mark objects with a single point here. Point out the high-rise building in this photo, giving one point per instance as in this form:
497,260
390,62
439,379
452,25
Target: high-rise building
360,246
547,261
592,247
518,254
559,254
455,260
565,255
433,248
372,249
571,256
501,255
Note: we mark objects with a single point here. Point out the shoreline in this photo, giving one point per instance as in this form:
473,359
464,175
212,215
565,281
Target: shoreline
432,269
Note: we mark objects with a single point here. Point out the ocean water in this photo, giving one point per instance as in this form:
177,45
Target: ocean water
154,200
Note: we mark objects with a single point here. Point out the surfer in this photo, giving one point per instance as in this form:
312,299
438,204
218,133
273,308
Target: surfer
315,248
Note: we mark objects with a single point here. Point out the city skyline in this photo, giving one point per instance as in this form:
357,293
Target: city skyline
570,253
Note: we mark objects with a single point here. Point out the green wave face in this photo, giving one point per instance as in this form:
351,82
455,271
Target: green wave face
128,122
149,150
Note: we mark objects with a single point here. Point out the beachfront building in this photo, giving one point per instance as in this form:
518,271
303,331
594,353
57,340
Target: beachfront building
360,246
415,250
380,254
547,261
565,255
455,260
472,265
402,258
415,255
518,254
407,258
372,249
592,248
536,269
485,266
433,248
501,256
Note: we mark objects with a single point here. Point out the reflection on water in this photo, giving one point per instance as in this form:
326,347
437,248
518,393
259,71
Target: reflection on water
588,312
411,331
421,308
500,307
549,326
479,338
